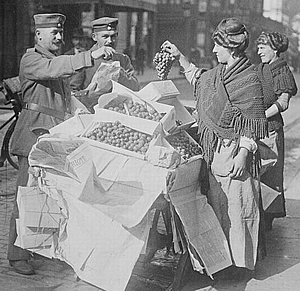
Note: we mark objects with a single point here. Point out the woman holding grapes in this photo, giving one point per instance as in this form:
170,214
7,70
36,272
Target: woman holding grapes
231,118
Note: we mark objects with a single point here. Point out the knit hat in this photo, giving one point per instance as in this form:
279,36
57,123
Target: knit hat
231,33
277,41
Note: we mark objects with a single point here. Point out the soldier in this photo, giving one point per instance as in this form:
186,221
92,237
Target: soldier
105,35
47,102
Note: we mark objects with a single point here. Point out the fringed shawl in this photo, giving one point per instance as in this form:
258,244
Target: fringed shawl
276,78
283,79
229,105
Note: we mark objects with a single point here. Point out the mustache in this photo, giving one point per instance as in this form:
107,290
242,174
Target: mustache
59,42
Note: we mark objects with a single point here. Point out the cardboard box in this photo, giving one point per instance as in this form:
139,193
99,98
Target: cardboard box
158,91
39,210
39,218
138,124
191,141
165,92
122,92
183,118
74,125
168,120
38,240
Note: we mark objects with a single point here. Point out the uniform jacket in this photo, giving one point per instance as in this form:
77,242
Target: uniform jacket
43,78
76,80
128,80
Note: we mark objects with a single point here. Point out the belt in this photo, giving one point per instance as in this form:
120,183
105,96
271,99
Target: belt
45,110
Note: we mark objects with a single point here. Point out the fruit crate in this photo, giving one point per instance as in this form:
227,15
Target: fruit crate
165,92
123,100
74,125
158,90
144,128
185,145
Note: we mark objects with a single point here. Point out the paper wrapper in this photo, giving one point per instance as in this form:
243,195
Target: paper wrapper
104,74
163,155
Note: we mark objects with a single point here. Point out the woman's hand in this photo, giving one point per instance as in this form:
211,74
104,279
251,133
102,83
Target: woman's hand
171,48
239,164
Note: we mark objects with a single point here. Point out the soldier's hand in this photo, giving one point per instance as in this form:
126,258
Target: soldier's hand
95,92
105,52
88,97
93,95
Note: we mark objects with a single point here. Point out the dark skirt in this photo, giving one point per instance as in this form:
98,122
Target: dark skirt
273,177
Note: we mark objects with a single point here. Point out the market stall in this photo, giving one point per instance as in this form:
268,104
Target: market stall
90,201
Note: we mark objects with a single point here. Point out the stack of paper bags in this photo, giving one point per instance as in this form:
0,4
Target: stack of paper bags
39,219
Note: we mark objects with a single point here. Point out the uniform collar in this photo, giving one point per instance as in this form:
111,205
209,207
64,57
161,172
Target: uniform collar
44,51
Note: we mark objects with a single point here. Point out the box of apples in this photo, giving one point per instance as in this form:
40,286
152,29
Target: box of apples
185,145
124,101
121,133
165,92
145,140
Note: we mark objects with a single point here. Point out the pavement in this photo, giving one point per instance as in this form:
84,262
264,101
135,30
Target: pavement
279,271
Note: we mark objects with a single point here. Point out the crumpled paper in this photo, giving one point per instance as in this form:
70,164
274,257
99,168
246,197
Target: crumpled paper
103,76
164,157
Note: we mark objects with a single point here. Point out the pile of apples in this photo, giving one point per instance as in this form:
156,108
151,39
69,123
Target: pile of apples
136,109
184,146
119,135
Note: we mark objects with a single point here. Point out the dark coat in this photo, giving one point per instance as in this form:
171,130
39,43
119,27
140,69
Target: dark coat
43,78
76,80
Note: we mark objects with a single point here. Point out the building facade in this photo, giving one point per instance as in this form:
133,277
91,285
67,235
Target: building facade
136,25
190,23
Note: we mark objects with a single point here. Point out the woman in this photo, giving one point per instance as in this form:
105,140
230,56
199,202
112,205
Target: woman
278,87
231,118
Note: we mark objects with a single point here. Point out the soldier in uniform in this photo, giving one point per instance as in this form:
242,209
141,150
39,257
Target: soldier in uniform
105,35
47,102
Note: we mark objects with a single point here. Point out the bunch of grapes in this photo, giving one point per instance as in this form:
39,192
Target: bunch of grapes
119,135
163,61
184,146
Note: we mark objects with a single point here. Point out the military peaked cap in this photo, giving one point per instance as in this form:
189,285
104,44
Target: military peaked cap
49,20
105,23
